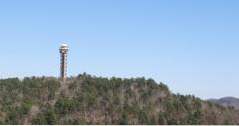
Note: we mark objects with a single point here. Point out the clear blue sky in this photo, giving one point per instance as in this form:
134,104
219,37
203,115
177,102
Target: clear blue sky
191,45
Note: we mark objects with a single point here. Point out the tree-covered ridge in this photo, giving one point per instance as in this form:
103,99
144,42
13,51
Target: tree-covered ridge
88,99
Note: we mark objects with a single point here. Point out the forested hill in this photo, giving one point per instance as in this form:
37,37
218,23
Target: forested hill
95,100
227,102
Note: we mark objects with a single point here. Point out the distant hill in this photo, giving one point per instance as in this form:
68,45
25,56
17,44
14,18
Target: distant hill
87,99
227,102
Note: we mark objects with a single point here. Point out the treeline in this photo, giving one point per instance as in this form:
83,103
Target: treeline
87,99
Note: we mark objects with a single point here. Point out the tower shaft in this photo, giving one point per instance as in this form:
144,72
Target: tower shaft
63,69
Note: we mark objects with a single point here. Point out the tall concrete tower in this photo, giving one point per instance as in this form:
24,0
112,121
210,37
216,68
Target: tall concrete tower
63,67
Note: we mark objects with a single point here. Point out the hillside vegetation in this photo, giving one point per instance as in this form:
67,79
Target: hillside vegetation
87,99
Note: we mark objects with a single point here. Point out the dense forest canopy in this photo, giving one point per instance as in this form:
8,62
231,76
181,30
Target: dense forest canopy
87,99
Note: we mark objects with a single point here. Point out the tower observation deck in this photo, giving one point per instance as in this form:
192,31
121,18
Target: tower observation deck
63,63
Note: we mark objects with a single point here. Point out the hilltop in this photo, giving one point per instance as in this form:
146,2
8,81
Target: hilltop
87,99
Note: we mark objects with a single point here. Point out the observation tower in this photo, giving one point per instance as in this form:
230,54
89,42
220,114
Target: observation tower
63,66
